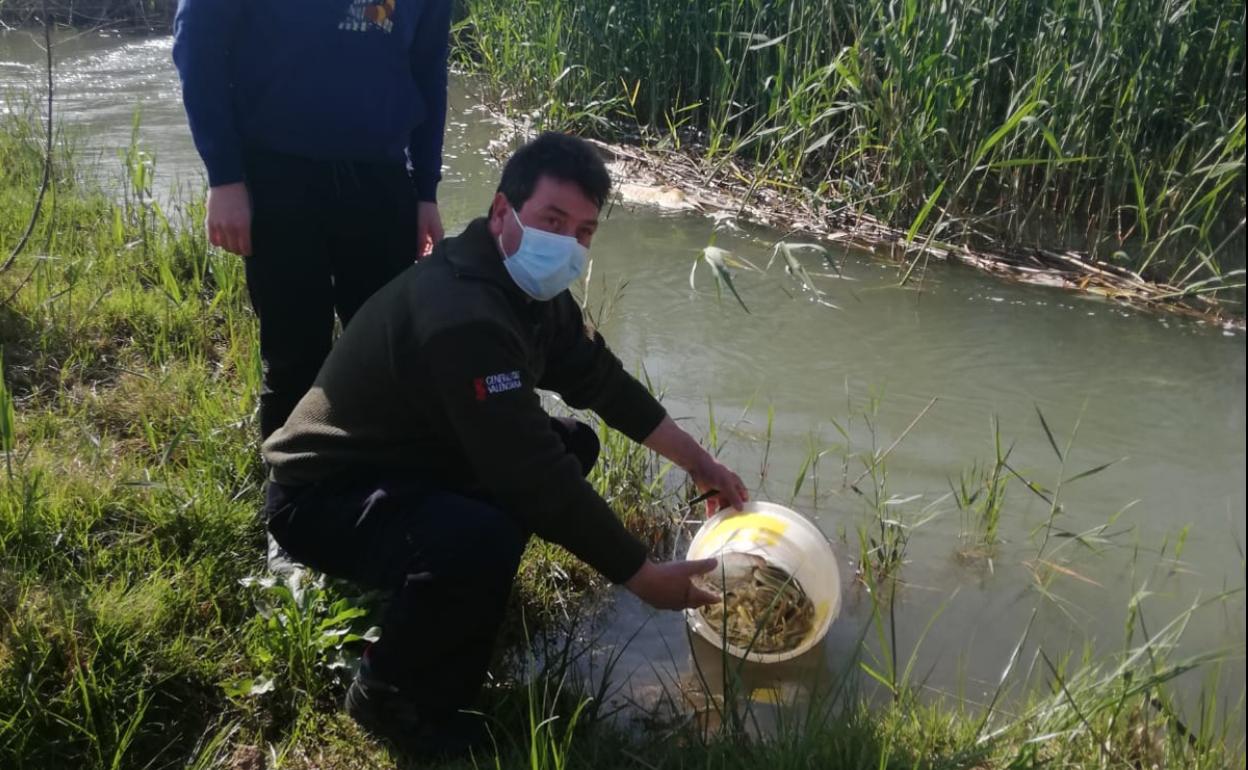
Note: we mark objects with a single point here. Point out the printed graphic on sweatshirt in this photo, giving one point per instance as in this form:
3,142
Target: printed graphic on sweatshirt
363,15
496,383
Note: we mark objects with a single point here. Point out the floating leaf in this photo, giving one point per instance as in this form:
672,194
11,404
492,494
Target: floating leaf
794,267
717,259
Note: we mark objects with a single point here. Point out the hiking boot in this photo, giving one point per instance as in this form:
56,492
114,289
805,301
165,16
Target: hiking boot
383,712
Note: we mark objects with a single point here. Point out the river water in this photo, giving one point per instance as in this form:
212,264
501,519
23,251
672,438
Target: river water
1163,395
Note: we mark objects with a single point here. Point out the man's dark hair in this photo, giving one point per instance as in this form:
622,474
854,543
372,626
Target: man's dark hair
558,156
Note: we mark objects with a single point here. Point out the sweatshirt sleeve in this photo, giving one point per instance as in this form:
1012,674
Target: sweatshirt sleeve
587,375
429,55
203,32
479,374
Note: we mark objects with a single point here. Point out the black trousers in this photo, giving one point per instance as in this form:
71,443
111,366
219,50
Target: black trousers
325,236
448,559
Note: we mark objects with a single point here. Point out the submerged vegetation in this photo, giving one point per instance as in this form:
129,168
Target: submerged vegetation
1113,129
980,494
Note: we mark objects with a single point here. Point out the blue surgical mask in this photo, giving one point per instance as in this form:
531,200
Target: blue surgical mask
546,263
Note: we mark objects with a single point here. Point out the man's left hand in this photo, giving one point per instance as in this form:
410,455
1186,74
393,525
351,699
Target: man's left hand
428,228
712,474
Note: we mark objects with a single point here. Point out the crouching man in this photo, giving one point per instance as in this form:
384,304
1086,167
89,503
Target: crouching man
421,460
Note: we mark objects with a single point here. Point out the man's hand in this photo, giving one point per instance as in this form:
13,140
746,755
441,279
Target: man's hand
669,586
229,218
712,474
428,228
707,472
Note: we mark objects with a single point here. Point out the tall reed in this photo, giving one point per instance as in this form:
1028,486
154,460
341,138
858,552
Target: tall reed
1112,127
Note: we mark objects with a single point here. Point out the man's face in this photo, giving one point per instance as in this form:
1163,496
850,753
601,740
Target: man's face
555,206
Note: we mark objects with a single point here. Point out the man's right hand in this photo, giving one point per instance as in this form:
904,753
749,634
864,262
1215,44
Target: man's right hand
669,586
229,218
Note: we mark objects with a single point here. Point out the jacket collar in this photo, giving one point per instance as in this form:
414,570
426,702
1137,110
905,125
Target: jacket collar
474,254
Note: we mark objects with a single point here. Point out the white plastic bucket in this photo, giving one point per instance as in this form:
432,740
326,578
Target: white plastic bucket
784,538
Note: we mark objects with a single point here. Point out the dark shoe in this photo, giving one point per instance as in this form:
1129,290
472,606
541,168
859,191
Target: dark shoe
382,711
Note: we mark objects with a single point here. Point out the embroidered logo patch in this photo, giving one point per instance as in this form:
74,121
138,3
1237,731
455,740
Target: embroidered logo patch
363,15
496,383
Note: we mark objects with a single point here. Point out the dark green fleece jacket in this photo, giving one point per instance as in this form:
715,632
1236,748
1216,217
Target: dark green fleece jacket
436,377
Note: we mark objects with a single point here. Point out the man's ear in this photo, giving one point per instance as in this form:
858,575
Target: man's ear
498,213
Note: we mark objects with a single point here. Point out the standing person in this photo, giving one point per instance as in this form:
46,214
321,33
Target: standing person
421,459
320,124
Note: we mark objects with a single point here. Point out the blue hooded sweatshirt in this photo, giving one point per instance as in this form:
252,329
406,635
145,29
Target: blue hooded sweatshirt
351,80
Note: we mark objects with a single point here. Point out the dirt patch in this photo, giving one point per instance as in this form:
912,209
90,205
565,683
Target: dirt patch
246,758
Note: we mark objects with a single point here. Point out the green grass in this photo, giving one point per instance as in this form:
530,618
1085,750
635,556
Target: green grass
1115,128
136,630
